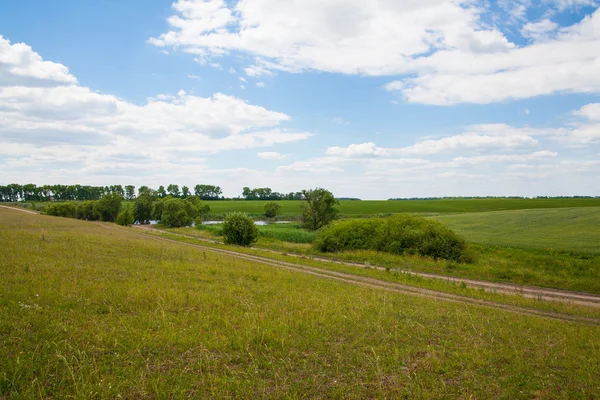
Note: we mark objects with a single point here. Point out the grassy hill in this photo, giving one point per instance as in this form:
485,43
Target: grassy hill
89,311
576,229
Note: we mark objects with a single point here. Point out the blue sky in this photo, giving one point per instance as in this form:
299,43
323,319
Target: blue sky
369,99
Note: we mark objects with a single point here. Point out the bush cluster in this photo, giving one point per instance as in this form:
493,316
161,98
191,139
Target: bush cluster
105,209
399,234
170,211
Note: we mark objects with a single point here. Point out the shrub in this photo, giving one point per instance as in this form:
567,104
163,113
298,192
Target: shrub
68,210
239,228
399,234
272,209
86,211
125,217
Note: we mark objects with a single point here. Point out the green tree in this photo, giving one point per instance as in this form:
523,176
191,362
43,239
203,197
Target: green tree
272,209
129,192
175,213
108,207
142,208
125,217
173,190
185,192
319,208
161,191
239,228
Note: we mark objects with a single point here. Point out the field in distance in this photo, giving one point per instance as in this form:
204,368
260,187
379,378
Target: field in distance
371,207
87,310
571,229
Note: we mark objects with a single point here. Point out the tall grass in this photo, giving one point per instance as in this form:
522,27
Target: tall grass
91,312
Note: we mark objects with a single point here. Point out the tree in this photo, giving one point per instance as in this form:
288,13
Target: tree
129,192
185,192
161,191
208,192
173,190
142,208
239,228
272,209
175,213
319,208
144,190
125,217
108,207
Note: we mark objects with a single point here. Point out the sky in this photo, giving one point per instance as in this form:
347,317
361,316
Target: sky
370,99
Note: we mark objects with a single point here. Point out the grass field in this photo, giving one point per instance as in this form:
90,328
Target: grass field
572,229
90,311
371,207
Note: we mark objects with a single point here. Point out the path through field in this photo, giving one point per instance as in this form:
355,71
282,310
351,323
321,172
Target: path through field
531,292
593,301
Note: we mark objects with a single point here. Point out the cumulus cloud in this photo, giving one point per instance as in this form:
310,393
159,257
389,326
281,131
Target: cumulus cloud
47,119
441,51
20,65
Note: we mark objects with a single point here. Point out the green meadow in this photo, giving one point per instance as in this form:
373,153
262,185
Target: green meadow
573,229
91,311
372,207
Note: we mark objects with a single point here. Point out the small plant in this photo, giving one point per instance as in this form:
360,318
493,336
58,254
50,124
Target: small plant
239,229
272,209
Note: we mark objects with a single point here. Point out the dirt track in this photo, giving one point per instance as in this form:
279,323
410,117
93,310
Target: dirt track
394,287
531,292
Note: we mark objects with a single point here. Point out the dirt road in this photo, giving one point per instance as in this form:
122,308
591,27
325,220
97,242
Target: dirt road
383,285
530,292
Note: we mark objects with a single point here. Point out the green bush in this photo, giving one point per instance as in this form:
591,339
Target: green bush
86,211
239,228
68,210
125,217
399,234
272,209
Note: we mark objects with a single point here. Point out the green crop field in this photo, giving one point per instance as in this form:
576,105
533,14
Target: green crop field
576,229
90,311
370,207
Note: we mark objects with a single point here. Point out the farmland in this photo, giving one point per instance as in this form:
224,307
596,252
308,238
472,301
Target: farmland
372,207
574,229
88,310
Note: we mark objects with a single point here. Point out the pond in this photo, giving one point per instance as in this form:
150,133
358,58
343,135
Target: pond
259,223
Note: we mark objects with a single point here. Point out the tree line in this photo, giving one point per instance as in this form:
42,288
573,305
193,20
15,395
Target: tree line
32,193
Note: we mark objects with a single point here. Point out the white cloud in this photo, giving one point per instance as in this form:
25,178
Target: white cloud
48,122
272,155
241,78
441,50
260,84
20,65
478,138
347,36
539,30
358,150
564,4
